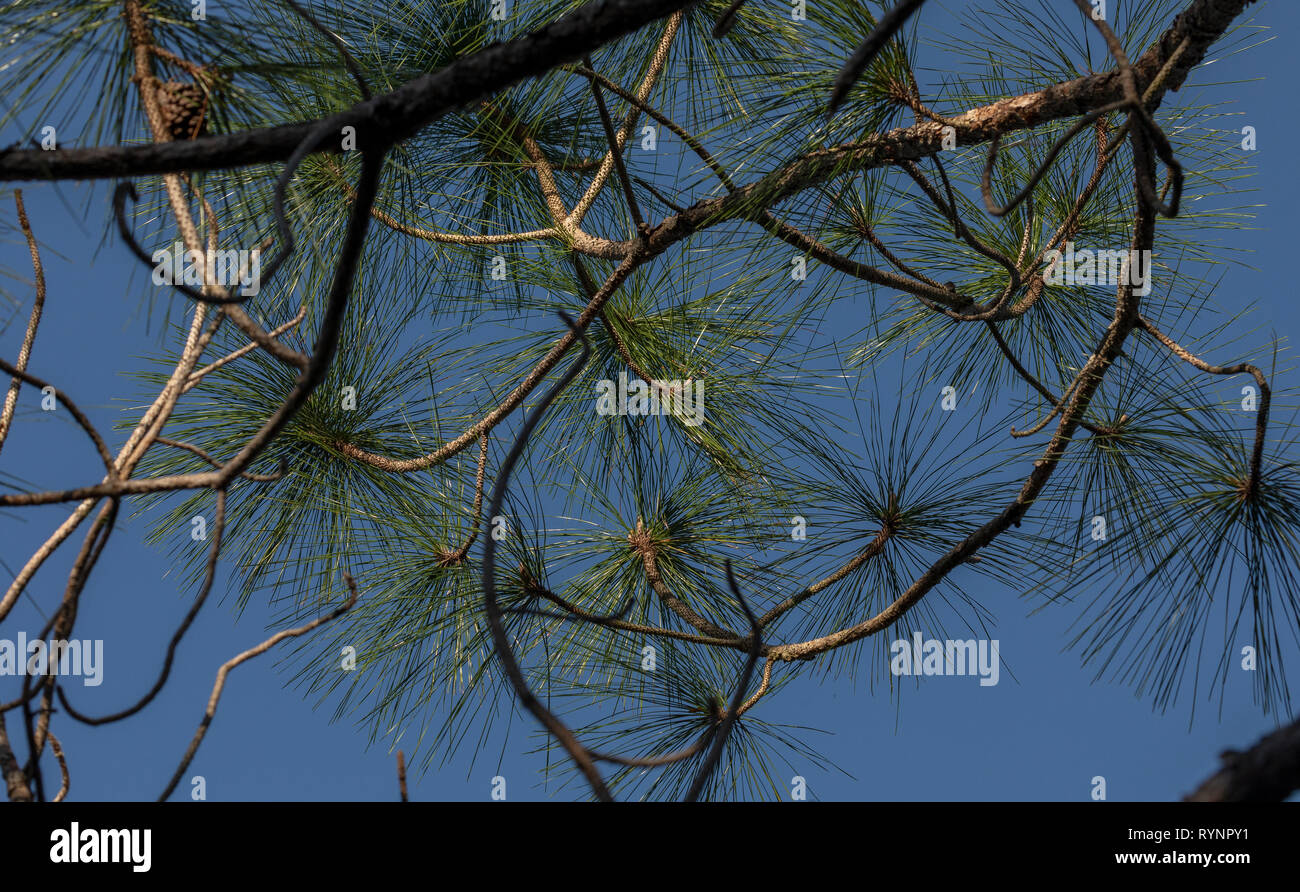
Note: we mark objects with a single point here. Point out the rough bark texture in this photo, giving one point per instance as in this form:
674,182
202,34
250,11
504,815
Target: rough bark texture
391,117
403,112
15,780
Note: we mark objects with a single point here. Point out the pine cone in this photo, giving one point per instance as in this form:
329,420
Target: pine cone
184,109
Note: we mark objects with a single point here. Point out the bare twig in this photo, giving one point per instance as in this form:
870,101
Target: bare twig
16,786
197,376
504,652
66,782
195,450
1251,486
33,321
214,550
455,557
110,467
249,654
515,397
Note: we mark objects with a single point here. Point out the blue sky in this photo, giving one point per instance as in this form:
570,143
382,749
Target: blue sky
1040,735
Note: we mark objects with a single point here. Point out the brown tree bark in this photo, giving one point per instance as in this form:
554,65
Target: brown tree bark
1267,772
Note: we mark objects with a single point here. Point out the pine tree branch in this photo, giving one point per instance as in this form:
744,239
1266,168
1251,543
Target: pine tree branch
383,120
33,321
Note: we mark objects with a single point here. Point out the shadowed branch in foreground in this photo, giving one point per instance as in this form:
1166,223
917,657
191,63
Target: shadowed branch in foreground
1267,772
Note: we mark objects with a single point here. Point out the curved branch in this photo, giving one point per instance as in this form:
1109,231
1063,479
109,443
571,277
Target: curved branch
350,63
1150,129
66,782
433,235
1251,486
198,375
127,190
195,450
613,621
1031,379
505,653
513,400
657,61
986,179
459,554
110,467
247,655
34,320
643,544
874,548
214,550
733,712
